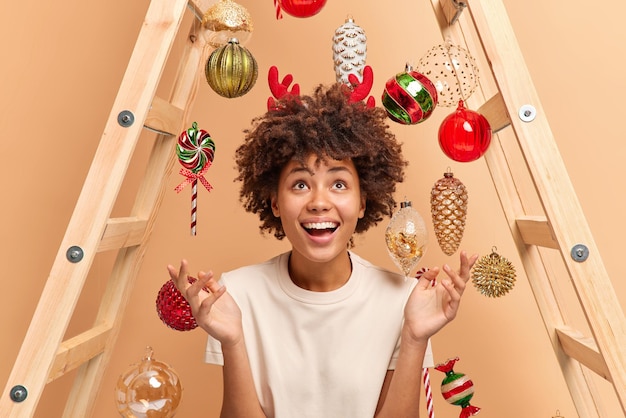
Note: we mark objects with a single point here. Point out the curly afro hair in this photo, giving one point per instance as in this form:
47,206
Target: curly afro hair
327,125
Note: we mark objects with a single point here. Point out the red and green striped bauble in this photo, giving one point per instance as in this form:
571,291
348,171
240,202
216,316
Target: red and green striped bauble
409,97
457,388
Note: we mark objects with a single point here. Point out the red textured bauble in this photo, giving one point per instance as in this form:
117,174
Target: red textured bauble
464,135
301,8
173,309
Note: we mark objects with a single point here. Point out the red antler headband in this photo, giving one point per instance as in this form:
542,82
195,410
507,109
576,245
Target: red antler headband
356,91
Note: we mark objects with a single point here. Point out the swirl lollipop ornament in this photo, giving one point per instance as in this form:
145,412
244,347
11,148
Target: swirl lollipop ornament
195,151
406,237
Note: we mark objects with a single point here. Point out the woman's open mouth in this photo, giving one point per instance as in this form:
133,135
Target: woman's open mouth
320,228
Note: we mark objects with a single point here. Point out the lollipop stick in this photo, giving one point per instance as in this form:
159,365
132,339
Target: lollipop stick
428,392
194,205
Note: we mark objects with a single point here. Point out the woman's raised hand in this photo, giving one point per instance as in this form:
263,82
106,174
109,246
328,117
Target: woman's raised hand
430,308
213,308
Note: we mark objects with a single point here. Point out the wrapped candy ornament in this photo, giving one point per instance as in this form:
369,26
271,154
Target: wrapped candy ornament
457,388
406,237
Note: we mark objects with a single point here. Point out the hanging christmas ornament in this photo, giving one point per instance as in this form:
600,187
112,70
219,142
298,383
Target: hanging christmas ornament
149,388
231,70
409,97
349,51
173,309
448,208
464,135
457,389
226,20
195,151
406,237
452,70
300,8
493,275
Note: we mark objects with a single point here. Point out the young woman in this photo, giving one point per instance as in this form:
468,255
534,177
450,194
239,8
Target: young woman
318,331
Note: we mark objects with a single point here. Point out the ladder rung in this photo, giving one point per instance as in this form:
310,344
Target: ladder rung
584,350
79,349
122,233
495,111
163,117
535,230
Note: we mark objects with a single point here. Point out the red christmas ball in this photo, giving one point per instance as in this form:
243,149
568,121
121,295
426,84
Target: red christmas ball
173,309
464,135
301,8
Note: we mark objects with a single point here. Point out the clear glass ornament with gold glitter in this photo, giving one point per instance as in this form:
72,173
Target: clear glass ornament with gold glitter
406,237
493,275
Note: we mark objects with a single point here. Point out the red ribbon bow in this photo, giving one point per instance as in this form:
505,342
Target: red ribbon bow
191,177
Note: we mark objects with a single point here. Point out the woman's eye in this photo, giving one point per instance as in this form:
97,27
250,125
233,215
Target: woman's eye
300,186
340,185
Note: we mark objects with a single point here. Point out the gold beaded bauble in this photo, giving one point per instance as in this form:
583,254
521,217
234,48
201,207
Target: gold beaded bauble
226,20
448,207
493,275
231,70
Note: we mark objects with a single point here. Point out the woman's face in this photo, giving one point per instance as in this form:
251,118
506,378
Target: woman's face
319,204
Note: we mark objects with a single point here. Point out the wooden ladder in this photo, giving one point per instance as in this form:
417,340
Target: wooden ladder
44,356
512,105
545,217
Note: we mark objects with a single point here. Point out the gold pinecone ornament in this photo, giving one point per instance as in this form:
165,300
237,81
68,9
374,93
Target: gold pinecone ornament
448,207
493,275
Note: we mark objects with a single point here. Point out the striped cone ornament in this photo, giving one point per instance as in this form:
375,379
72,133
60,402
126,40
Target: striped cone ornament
409,97
457,389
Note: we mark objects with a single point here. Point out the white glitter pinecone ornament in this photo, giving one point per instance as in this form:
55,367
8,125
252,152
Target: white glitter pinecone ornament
448,206
349,51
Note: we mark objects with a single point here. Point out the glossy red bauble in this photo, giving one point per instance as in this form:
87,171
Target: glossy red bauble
173,309
464,135
301,8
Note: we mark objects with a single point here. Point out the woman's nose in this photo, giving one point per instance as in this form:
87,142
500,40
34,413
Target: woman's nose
319,201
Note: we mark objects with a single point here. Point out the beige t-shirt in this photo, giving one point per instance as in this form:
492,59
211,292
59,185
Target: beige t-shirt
318,354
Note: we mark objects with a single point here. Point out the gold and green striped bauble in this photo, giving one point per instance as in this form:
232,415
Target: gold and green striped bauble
231,70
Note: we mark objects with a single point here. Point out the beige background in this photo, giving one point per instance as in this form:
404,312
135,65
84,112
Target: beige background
61,66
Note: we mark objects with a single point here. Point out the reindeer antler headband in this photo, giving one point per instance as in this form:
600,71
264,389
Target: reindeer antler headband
356,91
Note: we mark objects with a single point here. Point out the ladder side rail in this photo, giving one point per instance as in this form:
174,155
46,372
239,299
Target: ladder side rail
590,278
82,398
578,379
89,218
